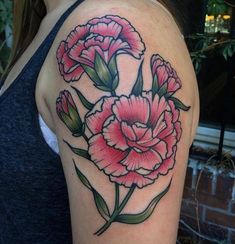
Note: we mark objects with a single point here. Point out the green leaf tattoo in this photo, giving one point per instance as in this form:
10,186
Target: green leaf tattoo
88,105
80,152
179,104
138,87
103,70
141,217
101,205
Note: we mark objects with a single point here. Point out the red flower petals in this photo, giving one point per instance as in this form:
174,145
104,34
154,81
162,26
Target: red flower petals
133,109
96,118
134,138
132,178
109,35
108,159
165,74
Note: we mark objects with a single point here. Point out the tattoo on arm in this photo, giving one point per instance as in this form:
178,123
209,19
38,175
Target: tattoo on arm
133,138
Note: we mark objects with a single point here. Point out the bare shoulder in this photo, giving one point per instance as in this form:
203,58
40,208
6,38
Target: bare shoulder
123,97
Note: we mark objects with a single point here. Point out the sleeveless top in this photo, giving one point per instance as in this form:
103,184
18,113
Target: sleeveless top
34,206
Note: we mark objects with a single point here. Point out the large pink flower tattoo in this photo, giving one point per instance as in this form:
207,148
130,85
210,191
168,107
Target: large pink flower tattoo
134,138
106,36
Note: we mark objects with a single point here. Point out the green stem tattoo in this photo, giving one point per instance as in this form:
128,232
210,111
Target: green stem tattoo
116,196
116,211
113,93
85,137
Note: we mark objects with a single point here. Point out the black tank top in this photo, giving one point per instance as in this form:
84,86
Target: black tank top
34,205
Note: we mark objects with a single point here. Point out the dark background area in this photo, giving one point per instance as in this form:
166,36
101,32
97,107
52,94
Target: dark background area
215,79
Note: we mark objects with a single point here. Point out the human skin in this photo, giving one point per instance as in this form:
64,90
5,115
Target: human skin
161,46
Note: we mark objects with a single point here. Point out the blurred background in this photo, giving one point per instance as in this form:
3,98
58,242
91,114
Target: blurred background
208,206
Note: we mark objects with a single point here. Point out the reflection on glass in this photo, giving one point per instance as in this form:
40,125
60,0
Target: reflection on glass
215,24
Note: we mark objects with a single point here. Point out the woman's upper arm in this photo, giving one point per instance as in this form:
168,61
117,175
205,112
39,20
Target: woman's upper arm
123,98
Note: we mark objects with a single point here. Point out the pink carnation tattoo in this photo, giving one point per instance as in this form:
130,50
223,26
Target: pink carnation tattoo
109,35
133,138
166,78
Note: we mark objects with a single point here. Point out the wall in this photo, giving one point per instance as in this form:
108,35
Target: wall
208,205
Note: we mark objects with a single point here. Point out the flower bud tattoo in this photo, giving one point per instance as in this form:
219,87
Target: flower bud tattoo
133,138
68,113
